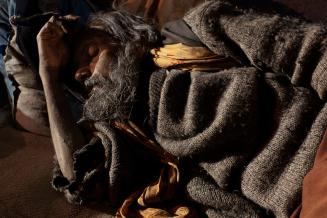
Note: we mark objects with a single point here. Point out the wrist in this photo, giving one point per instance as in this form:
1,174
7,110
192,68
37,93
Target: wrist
49,73
51,85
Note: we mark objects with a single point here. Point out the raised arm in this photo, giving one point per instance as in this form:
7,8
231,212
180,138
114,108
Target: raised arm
53,54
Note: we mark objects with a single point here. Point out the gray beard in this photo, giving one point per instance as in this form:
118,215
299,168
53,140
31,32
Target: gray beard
113,97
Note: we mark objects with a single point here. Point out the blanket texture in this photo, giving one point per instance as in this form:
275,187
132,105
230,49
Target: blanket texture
247,135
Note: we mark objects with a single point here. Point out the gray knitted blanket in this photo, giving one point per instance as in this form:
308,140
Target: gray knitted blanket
246,136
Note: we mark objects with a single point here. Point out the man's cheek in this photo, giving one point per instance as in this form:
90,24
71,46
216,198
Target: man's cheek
104,65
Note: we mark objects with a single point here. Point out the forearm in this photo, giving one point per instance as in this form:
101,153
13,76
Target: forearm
66,136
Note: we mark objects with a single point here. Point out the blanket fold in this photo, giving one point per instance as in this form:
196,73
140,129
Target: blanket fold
264,35
249,131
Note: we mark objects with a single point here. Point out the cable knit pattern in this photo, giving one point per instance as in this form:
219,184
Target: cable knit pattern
247,135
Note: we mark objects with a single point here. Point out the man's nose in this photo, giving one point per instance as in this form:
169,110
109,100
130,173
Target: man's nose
82,73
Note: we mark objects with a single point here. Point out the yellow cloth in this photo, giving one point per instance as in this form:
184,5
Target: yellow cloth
180,56
151,201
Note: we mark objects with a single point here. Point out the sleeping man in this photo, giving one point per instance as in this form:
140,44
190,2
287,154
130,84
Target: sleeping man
223,111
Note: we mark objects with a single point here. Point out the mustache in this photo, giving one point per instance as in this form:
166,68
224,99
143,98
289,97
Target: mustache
110,98
96,80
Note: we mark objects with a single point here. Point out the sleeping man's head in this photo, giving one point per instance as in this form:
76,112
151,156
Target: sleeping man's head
107,59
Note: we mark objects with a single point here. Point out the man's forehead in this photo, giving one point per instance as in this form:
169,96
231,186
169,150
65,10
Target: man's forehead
80,46
85,35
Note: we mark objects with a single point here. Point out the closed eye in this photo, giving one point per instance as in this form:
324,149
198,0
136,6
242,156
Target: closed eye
93,51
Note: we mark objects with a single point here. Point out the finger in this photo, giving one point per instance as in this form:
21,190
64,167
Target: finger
69,21
51,31
56,20
31,20
70,18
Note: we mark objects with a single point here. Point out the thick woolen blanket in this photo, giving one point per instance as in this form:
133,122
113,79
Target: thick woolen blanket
246,136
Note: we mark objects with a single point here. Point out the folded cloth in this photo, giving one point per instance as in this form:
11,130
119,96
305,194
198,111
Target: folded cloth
151,201
180,56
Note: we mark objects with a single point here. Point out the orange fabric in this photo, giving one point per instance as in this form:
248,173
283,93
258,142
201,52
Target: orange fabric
180,56
314,195
163,188
133,131
152,200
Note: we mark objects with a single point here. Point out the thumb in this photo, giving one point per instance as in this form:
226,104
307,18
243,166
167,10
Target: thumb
68,22
71,18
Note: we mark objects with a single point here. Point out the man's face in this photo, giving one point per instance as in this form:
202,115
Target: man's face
92,57
110,78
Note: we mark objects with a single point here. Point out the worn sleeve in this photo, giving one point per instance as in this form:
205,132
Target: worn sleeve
90,176
110,167
267,36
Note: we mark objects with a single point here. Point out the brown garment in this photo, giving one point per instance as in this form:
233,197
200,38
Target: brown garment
28,107
314,195
162,11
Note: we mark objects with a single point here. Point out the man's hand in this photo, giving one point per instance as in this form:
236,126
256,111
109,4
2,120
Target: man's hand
53,50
